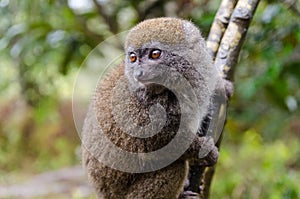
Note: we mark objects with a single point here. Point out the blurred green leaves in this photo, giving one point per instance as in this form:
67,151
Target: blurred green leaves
43,43
254,169
267,94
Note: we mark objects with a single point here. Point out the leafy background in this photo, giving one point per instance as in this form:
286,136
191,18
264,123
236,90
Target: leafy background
43,44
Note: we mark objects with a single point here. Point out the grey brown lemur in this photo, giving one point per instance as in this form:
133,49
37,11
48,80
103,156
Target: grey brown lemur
154,49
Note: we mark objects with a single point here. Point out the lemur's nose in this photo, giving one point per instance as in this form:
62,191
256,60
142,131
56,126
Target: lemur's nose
138,74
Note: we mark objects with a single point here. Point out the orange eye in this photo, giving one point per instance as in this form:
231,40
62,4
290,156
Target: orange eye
132,57
155,54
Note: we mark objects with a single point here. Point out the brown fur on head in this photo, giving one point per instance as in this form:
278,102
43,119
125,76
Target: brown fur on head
164,30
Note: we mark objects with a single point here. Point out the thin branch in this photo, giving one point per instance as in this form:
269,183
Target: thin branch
234,36
291,4
94,37
110,20
225,40
207,179
219,25
146,9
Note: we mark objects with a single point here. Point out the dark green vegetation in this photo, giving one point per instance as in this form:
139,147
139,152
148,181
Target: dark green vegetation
43,44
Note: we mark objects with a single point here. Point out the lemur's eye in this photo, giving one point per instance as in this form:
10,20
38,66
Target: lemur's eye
155,54
132,57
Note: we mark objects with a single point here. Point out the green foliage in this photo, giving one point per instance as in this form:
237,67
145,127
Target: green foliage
272,47
43,43
267,76
37,140
254,169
